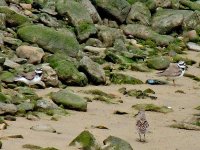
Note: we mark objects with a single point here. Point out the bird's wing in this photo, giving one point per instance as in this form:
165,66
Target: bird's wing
29,76
171,71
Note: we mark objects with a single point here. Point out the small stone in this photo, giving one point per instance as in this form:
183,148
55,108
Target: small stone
3,126
11,64
26,6
43,128
193,46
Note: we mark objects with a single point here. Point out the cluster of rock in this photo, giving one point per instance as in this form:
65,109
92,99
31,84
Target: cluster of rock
76,42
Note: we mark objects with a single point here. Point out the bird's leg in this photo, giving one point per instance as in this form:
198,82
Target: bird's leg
139,136
144,138
174,82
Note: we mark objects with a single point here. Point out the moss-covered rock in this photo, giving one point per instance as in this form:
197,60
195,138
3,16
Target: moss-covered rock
144,32
86,140
93,70
152,107
74,11
139,13
118,78
158,62
25,106
6,76
116,143
28,93
69,100
50,39
3,98
12,17
66,70
117,8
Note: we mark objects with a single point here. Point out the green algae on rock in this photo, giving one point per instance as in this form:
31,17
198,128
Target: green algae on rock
69,100
118,78
50,39
66,70
86,140
158,62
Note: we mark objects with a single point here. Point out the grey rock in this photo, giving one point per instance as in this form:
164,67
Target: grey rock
11,64
45,104
33,54
113,142
12,41
94,71
139,13
144,32
7,108
49,20
43,128
69,100
25,106
193,46
117,8
3,3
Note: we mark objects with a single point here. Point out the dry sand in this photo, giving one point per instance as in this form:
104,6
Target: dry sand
159,137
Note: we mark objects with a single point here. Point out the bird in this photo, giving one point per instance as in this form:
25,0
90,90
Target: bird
142,124
174,71
30,78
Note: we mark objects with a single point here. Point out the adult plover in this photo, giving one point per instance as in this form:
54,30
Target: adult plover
174,71
142,124
30,78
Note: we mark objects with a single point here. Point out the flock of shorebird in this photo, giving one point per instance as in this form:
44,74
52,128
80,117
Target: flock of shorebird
173,72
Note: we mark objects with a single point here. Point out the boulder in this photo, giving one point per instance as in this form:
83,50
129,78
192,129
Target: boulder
158,62
69,100
86,140
33,54
11,64
50,39
193,46
7,108
139,13
92,10
93,70
78,16
66,70
49,76
113,142
117,8
25,106
12,17
45,104
144,32
7,76
118,78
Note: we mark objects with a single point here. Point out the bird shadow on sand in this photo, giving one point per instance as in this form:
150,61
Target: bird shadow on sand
142,141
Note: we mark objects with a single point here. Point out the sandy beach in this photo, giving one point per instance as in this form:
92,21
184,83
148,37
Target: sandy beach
159,137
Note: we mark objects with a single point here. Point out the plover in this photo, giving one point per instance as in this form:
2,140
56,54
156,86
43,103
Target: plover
142,123
30,78
174,71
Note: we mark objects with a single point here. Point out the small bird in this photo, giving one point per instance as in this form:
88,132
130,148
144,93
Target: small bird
30,78
174,71
142,124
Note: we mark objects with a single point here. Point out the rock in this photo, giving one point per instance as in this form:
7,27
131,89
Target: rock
66,70
7,76
94,71
12,17
86,141
69,100
12,41
92,10
113,142
7,108
190,4
118,78
2,21
28,93
56,41
139,13
117,8
193,46
43,128
191,35
94,42
49,76
33,54
144,32
2,60
83,23
25,106
49,20
3,98
165,21
3,3
11,64
158,63
108,35
45,104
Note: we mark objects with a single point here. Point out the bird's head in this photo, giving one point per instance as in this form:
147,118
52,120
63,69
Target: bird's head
38,71
182,65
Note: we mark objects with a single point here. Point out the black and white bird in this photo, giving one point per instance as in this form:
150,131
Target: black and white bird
142,124
174,71
30,78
